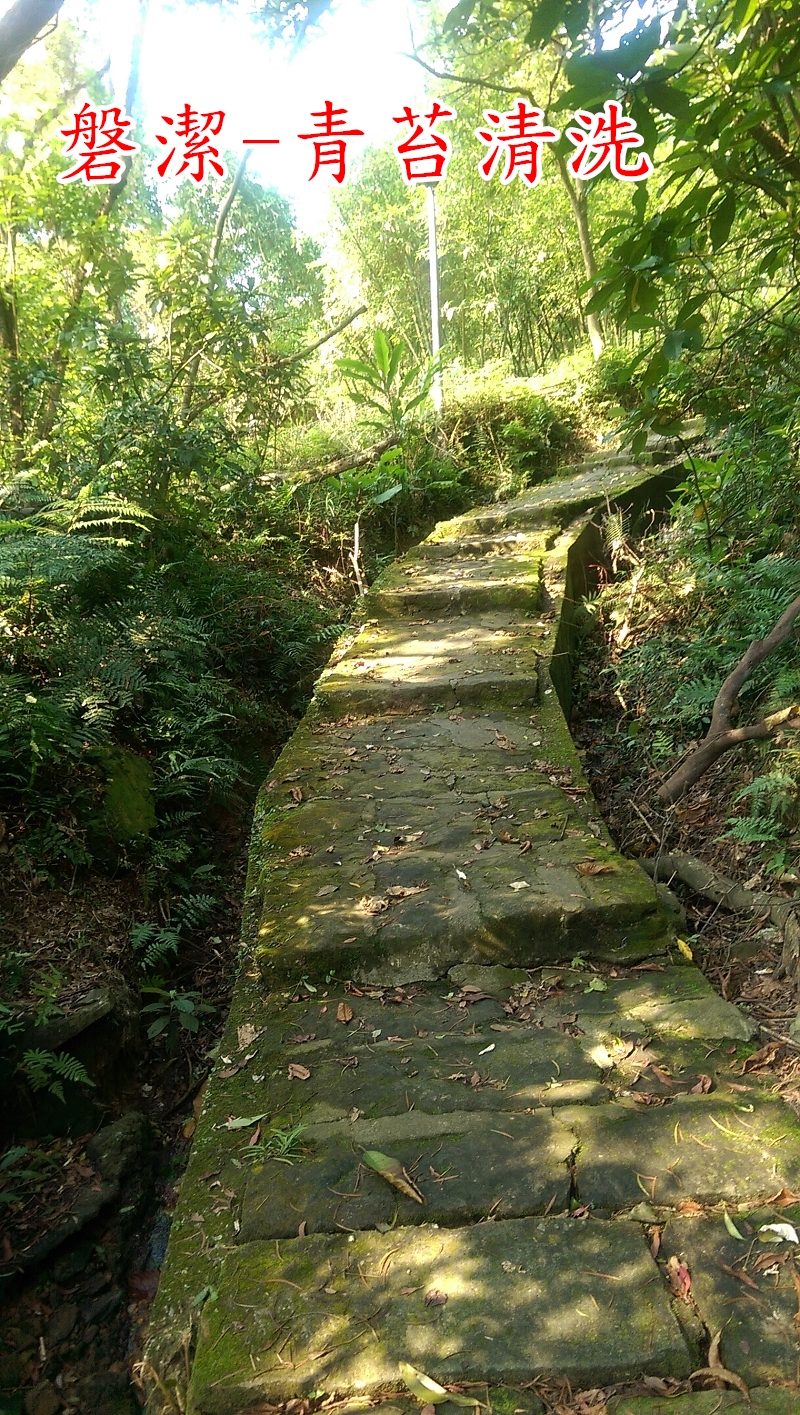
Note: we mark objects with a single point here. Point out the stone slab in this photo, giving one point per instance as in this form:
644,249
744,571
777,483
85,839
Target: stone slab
467,1168
704,1148
475,583
760,1338
766,1400
525,1298
494,846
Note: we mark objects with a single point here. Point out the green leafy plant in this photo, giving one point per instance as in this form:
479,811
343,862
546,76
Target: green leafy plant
380,385
48,1070
282,1143
174,1011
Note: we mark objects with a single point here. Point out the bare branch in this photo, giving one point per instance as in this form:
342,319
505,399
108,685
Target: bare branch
721,736
309,349
21,26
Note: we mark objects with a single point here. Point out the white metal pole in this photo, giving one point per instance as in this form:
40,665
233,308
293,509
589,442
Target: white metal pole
433,268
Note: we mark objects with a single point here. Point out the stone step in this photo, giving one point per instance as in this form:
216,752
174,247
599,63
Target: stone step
489,659
473,584
443,838
507,1302
766,1400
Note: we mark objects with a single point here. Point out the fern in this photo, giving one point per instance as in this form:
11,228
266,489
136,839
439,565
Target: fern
155,944
48,1070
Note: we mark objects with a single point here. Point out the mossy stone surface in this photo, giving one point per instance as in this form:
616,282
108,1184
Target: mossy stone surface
522,1299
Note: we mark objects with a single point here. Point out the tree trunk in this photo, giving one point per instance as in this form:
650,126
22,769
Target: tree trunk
20,27
576,191
60,362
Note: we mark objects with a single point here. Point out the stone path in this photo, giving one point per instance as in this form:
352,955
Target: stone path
448,963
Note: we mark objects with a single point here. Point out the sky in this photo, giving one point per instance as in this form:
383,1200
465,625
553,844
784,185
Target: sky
213,61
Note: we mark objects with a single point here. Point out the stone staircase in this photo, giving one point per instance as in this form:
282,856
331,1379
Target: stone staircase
448,963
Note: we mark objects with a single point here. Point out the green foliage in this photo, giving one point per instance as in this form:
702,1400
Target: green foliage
282,1143
381,385
47,1071
174,1011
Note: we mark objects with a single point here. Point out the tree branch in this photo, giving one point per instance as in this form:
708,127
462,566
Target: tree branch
21,26
309,349
355,459
721,736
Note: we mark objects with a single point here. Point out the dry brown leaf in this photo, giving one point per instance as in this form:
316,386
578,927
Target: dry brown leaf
298,1072
300,852
393,1172
739,1274
679,1278
189,1129
302,1229
689,1206
703,1086
402,891
197,1103
297,794
246,1035
373,904
327,889
765,1056
301,1038
593,867
435,1298
344,1013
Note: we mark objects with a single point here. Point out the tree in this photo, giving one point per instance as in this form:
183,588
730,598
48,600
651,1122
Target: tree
21,26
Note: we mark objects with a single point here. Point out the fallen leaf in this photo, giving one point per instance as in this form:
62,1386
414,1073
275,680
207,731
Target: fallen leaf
144,1286
519,884
597,985
197,1103
593,867
703,1086
784,1232
679,1278
429,1391
435,1298
302,1229
731,1226
298,1072
189,1129
402,891
373,904
246,1035
297,794
255,1137
300,852
505,743
409,1291
684,949
243,1122
393,1172
689,1206
344,1013
327,889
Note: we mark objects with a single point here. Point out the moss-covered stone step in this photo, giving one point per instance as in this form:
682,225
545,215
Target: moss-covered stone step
556,502
765,1400
747,1290
471,583
396,848
463,660
503,1301
467,1167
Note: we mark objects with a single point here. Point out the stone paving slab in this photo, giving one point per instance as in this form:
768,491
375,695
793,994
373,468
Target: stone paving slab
487,658
525,1298
502,845
762,1401
760,1333
702,1148
468,580
467,1168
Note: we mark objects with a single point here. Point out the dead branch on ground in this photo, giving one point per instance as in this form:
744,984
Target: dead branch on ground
721,735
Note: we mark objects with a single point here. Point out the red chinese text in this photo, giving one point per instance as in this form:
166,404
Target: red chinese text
329,141
98,137
190,136
521,142
424,154
604,142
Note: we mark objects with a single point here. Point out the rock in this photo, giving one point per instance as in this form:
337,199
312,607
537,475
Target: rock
61,1323
102,1306
42,1399
129,807
495,980
118,1149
